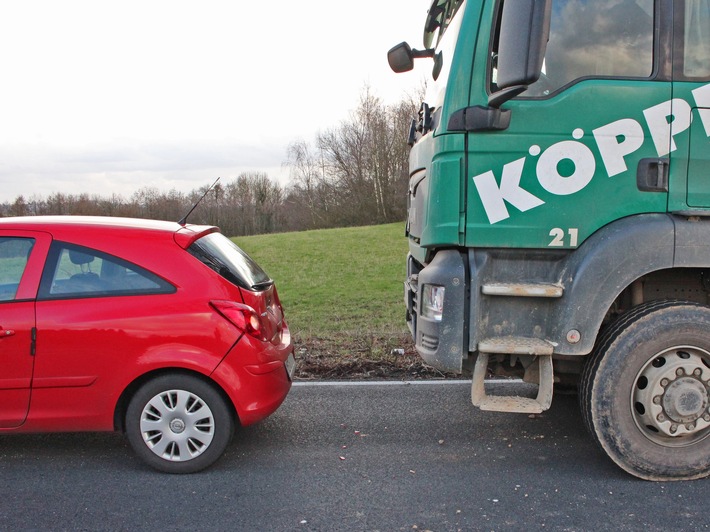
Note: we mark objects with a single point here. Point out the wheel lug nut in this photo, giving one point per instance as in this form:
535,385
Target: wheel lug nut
680,372
690,426
674,428
706,417
661,417
664,382
697,372
657,400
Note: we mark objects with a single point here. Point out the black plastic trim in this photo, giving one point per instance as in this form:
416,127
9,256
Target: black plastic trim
479,118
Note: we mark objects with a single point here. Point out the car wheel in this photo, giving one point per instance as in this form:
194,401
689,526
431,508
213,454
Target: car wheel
178,424
645,391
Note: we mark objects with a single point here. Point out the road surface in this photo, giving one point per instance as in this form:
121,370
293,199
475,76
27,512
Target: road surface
352,457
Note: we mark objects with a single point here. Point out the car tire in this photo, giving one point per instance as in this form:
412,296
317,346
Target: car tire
178,423
645,391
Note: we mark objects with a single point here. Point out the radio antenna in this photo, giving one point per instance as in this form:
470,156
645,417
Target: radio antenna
183,220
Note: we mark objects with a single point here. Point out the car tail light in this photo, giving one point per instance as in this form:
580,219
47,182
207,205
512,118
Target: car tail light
242,316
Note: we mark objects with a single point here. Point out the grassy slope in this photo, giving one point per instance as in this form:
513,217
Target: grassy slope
341,288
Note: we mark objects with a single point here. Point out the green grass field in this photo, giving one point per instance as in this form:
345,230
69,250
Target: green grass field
340,288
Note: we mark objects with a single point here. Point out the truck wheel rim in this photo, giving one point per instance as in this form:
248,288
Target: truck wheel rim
670,400
177,425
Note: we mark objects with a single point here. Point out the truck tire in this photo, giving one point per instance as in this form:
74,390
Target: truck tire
645,391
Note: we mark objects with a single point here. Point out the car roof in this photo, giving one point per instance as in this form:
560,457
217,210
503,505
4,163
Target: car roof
184,235
37,222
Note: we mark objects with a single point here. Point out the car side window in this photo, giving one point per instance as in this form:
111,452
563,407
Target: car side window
597,39
14,253
74,271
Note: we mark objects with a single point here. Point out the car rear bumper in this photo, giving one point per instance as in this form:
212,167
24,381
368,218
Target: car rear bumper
257,379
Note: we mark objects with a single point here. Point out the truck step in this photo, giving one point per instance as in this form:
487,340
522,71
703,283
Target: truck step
512,403
523,290
515,345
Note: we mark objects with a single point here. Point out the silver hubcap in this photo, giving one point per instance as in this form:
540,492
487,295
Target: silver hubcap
177,425
671,397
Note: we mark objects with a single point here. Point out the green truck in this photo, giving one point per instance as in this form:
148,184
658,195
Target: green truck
559,214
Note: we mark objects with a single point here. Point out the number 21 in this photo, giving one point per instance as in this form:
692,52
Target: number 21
558,237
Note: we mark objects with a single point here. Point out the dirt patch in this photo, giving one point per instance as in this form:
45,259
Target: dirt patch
362,357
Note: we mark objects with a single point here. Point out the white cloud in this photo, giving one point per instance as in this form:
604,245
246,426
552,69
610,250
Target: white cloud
104,97
122,168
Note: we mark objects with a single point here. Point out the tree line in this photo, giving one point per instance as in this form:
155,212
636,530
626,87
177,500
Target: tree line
353,174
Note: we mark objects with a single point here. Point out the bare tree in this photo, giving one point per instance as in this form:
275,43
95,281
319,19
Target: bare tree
358,175
19,208
311,201
253,204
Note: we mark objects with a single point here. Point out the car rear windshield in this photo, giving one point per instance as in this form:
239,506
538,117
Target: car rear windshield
227,259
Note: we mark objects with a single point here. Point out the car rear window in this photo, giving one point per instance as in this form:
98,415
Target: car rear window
226,258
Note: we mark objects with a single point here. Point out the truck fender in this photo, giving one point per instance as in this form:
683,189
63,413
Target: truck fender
602,267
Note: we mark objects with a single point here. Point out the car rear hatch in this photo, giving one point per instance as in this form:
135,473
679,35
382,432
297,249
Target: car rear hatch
267,305
256,288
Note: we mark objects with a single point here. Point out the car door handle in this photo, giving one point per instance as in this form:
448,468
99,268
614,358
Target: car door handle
6,332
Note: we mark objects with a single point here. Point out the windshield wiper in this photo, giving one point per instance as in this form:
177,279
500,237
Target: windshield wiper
262,285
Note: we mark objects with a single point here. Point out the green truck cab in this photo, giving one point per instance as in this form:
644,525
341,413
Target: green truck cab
559,214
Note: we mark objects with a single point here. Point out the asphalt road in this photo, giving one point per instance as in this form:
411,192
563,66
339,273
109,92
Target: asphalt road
352,457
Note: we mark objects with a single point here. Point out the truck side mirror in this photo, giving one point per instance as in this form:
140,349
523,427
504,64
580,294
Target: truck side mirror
524,32
401,57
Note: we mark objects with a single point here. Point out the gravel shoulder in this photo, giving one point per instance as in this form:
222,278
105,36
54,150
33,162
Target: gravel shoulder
324,360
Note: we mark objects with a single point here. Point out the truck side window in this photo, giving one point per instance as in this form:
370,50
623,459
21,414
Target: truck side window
696,39
597,39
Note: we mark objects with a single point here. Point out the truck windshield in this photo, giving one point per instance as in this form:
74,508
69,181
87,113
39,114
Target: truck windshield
441,30
438,19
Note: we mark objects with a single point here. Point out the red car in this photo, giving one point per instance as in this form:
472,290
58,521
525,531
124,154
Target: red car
168,332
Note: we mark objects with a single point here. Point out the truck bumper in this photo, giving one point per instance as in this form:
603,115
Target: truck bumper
440,342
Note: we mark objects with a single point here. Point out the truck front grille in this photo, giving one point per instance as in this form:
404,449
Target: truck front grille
429,342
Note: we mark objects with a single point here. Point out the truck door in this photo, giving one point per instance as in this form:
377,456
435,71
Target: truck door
579,138
689,146
21,259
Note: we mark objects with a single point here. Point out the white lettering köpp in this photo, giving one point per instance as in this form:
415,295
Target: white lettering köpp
615,141
494,197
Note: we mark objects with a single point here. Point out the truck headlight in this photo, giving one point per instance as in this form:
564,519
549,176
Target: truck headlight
433,301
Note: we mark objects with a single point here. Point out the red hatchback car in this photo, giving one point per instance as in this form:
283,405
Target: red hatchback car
168,332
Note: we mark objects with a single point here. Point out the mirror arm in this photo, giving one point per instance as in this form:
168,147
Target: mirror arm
417,54
497,99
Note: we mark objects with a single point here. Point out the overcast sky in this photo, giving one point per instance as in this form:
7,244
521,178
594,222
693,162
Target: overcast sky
111,96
